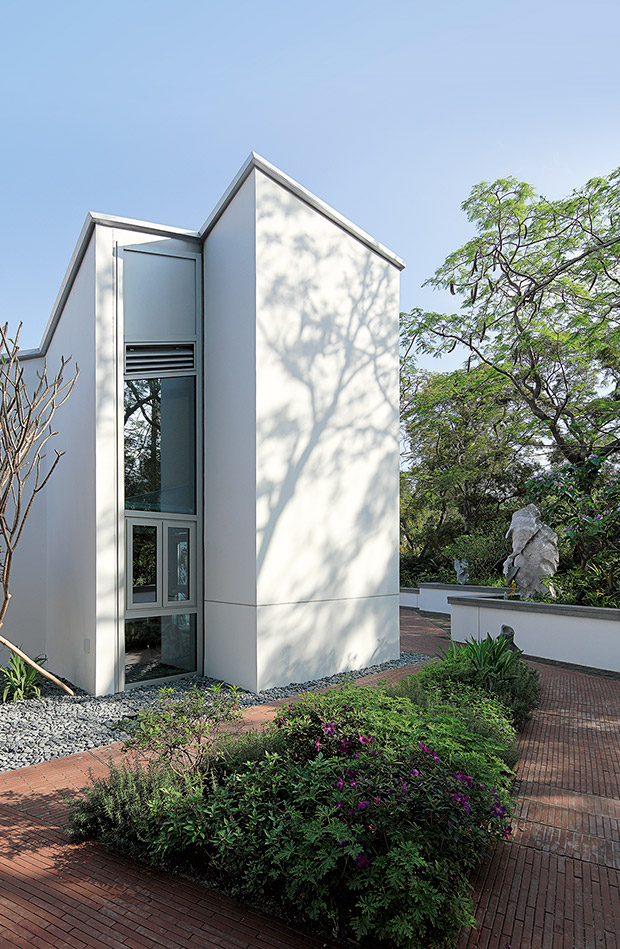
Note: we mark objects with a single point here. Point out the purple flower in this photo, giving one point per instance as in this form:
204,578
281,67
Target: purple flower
461,800
362,862
498,811
363,805
329,728
427,751
507,831
415,773
339,784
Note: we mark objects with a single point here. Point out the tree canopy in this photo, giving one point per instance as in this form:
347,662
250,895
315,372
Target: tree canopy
539,307
467,455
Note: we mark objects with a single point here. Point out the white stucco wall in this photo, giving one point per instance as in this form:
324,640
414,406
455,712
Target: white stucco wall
230,443
410,598
301,443
71,496
326,443
433,597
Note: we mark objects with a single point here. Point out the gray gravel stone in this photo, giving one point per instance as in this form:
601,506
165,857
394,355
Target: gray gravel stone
58,724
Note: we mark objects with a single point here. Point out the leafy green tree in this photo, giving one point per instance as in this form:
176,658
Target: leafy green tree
582,502
539,306
466,441
468,453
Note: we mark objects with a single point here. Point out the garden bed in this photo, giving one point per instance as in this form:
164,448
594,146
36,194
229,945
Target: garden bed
583,635
360,812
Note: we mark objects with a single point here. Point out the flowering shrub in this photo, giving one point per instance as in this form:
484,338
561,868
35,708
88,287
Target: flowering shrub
360,812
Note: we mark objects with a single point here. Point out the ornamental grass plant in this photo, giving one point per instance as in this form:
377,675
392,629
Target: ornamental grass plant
488,664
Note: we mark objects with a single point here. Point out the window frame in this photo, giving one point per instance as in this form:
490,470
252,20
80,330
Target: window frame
162,602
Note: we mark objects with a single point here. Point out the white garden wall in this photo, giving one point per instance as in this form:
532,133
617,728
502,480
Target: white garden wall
410,597
433,597
585,635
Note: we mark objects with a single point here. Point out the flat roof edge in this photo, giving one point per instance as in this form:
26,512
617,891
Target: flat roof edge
145,227
255,161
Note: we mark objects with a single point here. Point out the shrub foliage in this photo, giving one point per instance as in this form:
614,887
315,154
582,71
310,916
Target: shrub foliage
361,811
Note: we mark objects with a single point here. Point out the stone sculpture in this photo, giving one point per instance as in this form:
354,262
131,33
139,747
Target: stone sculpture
462,571
534,556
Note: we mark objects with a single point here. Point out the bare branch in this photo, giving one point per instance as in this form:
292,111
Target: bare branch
25,429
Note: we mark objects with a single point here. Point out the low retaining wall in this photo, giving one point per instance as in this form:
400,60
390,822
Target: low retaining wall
409,596
433,597
584,635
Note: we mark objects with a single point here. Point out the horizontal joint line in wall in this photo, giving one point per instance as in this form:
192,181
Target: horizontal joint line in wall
332,599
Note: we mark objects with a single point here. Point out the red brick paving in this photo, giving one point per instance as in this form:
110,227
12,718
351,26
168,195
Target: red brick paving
555,886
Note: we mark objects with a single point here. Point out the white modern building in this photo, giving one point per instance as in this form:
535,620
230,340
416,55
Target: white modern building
228,500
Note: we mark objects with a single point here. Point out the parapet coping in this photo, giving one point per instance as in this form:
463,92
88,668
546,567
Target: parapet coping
525,606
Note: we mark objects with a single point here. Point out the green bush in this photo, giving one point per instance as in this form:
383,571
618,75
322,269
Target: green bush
479,712
490,665
178,728
484,553
397,725
19,680
358,811
116,810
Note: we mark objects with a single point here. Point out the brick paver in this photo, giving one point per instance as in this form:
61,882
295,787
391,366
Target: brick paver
555,886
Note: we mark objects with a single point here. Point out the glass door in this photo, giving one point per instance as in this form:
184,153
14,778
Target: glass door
160,619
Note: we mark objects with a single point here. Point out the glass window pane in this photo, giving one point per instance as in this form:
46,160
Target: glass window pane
160,646
160,445
144,558
178,563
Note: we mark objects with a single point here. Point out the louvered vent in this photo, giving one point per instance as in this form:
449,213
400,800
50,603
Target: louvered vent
151,360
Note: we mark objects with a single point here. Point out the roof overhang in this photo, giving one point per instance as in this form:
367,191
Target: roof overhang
254,161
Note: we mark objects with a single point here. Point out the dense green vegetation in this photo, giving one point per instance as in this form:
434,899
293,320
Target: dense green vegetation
19,680
535,412
360,812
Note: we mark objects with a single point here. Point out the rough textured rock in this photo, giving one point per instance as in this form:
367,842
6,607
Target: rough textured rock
462,571
507,633
534,556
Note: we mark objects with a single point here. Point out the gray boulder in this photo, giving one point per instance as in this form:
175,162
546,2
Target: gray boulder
534,556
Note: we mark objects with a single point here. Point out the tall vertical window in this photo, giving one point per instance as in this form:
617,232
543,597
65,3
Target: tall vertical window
160,506
160,445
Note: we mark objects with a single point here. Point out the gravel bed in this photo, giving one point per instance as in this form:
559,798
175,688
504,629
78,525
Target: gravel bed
58,724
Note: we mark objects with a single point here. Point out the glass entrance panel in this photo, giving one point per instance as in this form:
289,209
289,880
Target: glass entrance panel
144,564
160,646
178,563
160,445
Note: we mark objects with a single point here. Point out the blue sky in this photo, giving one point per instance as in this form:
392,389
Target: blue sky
388,111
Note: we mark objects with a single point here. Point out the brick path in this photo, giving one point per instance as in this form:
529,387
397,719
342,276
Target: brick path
556,886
